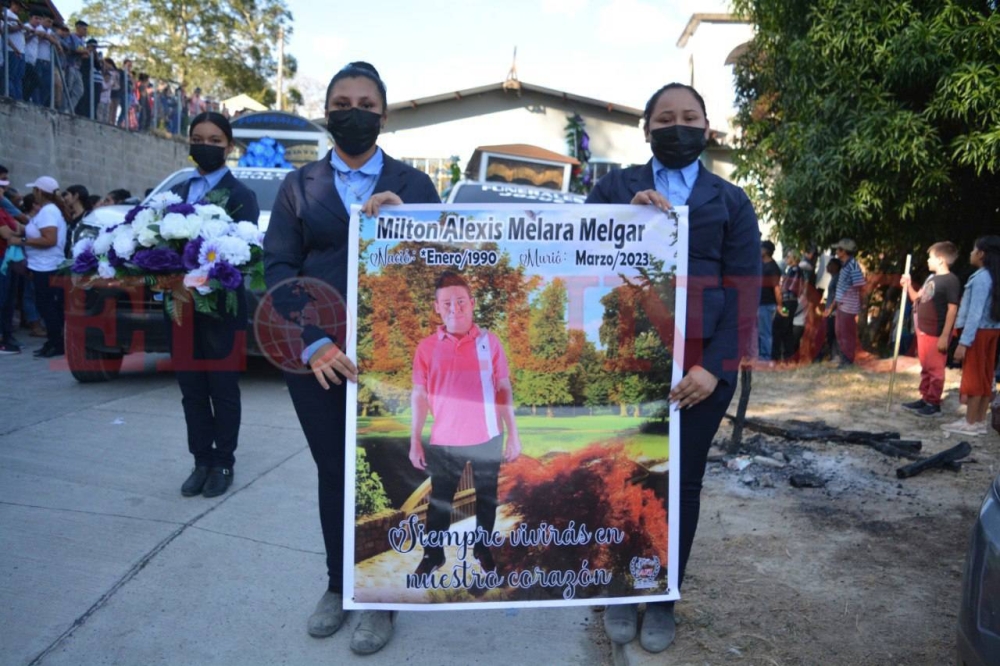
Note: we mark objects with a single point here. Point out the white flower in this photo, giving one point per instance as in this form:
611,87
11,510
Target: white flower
198,279
212,212
145,218
208,254
82,245
102,244
175,226
147,237
163,199
105,270
213,229
249,232
234,250
124,244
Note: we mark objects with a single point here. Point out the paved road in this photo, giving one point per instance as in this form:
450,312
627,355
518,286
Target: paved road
103,562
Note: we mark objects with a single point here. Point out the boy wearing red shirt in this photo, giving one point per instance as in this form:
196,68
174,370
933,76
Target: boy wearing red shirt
460,376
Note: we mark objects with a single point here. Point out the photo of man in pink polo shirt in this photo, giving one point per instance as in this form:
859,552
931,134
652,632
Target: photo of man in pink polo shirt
460,377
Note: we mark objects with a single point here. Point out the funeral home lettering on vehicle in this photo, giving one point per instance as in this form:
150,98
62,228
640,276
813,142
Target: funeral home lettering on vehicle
459,229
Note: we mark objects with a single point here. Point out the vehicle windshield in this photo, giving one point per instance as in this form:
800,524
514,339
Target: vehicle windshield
506,193
264,183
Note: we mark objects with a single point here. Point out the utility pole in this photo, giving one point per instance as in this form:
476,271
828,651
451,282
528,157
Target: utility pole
281,68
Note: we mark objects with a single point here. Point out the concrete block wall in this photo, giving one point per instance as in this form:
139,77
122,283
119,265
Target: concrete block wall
36,142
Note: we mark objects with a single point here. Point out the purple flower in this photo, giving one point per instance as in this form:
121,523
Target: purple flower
585,141
227,275
114,259
130,216
181,209
85,262
158,260
191,251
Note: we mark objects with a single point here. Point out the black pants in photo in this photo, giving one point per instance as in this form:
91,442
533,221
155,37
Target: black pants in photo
51,302
445,465
209,354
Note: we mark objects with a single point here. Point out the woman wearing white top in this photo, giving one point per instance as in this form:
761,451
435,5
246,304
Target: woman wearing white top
44,242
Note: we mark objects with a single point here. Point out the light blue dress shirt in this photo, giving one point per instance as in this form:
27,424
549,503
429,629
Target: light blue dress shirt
355,186
675,184
202,185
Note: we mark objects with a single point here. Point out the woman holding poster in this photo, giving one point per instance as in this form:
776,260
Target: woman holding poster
723,293
307,240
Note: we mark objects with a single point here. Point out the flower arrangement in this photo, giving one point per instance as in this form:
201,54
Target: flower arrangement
187,251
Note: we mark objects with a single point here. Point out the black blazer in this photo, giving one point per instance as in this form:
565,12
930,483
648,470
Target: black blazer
242,203
309,230
723,265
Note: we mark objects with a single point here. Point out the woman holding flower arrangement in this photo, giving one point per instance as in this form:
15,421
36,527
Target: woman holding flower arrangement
308,238
208,349
186,244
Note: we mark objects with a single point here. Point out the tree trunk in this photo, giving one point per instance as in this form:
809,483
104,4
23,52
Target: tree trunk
623,409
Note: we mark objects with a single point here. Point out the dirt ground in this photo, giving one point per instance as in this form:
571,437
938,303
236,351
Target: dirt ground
866,571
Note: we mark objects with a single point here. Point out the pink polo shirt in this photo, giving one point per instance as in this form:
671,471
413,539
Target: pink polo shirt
461,376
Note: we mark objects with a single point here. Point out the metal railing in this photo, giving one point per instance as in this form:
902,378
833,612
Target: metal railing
146,105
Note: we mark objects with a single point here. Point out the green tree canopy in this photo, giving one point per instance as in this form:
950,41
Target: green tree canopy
223,46
874,120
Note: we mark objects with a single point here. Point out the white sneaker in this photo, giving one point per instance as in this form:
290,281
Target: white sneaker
959,423
967,429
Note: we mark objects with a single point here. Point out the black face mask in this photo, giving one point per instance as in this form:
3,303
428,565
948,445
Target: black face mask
354,130
209,158
678,145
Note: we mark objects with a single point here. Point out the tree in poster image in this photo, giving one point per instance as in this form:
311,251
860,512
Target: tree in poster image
543,377
589,382
593,487
638,357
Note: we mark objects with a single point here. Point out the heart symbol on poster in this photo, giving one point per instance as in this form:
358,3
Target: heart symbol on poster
397,536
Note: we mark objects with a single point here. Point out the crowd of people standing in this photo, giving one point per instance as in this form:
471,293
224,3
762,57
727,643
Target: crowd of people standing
40,225
43,62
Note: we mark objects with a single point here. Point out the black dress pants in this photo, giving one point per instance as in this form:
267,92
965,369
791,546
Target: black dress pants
323,416
698,427
209,354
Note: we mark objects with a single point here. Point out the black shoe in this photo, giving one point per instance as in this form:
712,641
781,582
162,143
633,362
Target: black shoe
482,553
430,563
914,406
219,480
52,352
195,482
929,410
44,350
8,348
